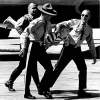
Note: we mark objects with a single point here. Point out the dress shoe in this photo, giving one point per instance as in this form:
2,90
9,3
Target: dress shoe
83,94
29,96
10,86
41,92
46,94
48,91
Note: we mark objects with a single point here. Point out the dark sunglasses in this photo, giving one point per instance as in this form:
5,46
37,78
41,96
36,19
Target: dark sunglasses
83,15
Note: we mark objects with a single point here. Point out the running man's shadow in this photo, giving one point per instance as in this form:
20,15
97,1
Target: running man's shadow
72,94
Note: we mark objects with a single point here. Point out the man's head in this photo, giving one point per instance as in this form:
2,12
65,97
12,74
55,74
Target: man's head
47,10
85,15
32,8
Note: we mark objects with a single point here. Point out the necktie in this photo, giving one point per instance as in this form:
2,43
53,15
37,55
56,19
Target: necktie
82,30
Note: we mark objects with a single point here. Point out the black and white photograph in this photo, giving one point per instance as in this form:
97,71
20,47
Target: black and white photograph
49,49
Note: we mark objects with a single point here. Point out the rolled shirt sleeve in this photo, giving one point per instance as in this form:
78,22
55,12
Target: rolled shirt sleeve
27,34
23,39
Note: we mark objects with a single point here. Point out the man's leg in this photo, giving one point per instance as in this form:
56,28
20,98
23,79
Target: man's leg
64,59
31,66
27,85
81,65
17,71
31,71
49,74
82,72
28,81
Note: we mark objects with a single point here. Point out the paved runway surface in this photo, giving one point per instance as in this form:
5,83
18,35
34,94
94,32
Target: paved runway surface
65,87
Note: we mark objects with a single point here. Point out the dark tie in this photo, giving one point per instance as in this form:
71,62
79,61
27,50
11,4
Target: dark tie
82,30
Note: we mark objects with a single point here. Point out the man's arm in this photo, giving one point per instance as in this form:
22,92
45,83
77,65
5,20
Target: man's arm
25,35
20,22
90,43
24,40
9,23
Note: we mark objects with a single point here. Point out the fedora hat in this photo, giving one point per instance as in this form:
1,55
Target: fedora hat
47,9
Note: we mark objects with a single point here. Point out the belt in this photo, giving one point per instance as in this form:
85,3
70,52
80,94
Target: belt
39,42
69,44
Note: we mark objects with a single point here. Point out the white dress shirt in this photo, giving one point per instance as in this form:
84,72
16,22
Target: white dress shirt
75,33
36,30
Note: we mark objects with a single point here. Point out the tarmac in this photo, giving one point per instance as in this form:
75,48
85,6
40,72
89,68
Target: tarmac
66,86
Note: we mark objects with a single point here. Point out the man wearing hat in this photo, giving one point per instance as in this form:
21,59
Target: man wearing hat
37,30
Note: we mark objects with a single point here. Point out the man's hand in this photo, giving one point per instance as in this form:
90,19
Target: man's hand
22,52
78,44
94,60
